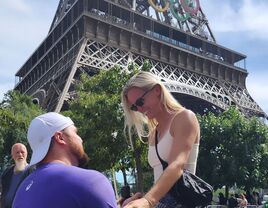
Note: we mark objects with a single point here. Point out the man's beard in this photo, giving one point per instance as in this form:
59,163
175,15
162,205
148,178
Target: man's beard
80,155
83,161
20,165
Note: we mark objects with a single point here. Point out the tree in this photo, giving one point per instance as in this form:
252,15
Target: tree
99,117
16,112
232,150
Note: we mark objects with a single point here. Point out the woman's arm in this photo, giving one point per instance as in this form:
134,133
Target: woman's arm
185,131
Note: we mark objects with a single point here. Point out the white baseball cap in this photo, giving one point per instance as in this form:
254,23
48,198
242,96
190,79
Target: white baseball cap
41,130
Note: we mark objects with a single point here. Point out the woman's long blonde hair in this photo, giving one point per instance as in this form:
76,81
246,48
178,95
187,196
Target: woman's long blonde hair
137,121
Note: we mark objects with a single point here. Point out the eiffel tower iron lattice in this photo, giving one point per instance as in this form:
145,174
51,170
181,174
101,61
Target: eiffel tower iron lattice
88,36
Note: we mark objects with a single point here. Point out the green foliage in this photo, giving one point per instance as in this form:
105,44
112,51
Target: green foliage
232,150
99,117
98,114
16,112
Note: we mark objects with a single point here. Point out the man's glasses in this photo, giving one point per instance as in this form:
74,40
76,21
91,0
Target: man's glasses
139,102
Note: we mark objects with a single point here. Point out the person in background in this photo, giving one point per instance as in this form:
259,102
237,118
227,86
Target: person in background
222,199
125,194
13,175
249,197
232,201
243,202
147,102
59,180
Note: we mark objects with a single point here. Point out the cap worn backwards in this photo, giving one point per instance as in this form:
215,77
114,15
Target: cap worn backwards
41,130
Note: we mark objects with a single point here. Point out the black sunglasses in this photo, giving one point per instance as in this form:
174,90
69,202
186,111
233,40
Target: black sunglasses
139,102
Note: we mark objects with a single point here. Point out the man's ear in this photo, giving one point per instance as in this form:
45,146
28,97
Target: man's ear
58,137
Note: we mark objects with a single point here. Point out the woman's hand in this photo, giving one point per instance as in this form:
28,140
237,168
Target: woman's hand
139,203
137,195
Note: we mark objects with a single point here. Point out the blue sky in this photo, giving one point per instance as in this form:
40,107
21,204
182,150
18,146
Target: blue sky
240,25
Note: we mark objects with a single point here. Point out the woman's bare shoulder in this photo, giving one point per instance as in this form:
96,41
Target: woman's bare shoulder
185,120
184,115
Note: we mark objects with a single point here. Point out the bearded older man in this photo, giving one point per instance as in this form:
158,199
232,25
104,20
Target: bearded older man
13,175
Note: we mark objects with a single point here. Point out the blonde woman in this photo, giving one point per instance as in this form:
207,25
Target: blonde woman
146,101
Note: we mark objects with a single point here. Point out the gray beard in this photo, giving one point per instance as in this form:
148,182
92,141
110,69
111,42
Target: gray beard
20,165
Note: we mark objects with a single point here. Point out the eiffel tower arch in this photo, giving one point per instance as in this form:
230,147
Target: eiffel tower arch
175,37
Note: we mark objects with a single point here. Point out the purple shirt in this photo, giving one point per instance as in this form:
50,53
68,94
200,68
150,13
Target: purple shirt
55,185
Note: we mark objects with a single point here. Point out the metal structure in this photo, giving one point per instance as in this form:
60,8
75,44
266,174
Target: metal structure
174,36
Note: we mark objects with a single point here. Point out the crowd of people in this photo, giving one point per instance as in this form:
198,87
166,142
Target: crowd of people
240,200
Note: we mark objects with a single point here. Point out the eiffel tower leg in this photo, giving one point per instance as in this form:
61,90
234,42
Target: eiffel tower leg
63,95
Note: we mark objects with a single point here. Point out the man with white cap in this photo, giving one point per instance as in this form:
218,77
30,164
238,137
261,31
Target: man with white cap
57,182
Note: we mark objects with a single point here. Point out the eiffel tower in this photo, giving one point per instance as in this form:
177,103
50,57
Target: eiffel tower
174,36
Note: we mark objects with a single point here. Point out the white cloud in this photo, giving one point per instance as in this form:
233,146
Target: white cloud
257,86
242,25
250,18
16,5
24,25
4,87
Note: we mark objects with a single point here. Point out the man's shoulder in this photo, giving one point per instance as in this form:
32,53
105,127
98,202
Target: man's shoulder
72,171
85,177
87,172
